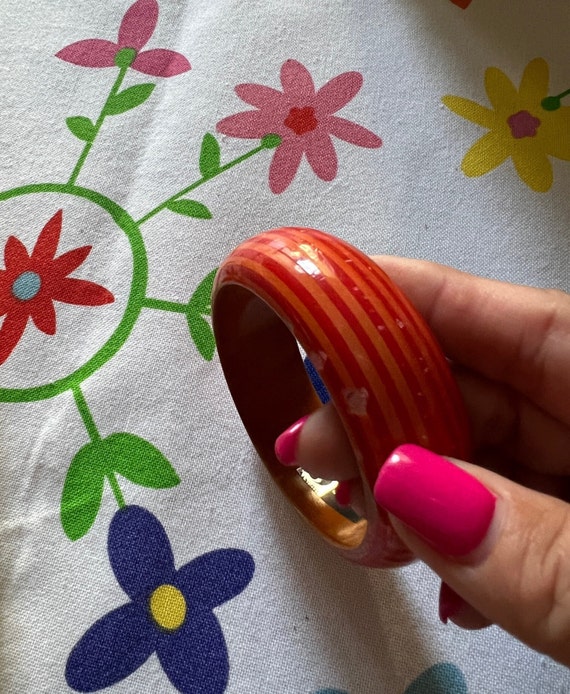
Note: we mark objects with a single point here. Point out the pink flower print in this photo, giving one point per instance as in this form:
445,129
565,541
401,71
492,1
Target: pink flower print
137,27
304,118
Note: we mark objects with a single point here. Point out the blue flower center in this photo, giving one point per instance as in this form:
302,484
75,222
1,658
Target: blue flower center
26,286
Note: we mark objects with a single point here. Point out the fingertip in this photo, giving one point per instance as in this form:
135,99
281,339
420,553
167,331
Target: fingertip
318,443
449,603
453,608
441,502
287,443
343,492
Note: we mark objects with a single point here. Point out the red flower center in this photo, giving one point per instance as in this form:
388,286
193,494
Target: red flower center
301,120
523,124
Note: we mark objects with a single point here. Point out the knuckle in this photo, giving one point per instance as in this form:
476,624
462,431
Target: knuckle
538,340
544,582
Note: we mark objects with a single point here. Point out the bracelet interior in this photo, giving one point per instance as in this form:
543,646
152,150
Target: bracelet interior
271,389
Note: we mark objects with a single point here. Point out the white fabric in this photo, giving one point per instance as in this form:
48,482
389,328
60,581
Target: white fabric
307,620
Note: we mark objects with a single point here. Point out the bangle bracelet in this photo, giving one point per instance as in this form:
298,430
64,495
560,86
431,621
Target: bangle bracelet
385,372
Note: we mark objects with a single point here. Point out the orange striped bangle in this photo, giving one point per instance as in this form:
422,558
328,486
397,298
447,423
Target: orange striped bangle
384,370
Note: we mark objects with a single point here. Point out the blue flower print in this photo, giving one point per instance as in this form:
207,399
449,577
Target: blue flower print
170,612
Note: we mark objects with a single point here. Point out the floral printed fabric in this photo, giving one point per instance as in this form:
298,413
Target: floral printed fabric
183,630
304,119
136,29
526,124
143,546
31,283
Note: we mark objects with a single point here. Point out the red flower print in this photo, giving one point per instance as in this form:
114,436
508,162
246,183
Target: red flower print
31,283
137,26
303,118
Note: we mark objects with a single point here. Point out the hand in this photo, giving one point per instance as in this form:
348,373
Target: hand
496,530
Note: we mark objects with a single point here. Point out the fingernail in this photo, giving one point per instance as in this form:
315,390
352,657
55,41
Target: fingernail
343,492
286,443
443,504
449,603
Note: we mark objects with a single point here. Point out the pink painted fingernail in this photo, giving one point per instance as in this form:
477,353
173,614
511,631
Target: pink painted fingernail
449,603
443,504
286,443
343,492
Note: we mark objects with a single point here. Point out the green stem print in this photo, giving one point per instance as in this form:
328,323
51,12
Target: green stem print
196,311
101,459
84,129
85,413
95,437
120,499
117,102
553,103
162,305
209,168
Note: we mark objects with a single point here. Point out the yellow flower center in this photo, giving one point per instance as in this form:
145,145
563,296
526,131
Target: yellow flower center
168,607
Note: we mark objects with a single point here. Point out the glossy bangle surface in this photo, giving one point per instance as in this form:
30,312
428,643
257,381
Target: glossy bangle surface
384,370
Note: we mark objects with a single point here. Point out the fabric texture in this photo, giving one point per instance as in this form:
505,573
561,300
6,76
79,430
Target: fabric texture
144,547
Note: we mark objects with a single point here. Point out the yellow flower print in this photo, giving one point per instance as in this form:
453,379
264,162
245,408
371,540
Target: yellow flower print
519,126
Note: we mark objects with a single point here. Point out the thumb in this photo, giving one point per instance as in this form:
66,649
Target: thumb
503,548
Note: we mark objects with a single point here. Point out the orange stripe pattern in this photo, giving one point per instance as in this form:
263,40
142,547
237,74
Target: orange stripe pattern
385,372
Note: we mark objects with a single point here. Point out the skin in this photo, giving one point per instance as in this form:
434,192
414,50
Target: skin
510,351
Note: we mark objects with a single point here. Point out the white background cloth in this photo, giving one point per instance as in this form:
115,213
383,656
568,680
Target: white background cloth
307,620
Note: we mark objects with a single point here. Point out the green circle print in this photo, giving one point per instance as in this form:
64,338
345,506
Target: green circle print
134,304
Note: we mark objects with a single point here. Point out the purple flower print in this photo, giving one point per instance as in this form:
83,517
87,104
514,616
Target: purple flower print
170,612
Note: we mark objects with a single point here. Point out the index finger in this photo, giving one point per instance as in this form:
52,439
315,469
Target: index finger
509,333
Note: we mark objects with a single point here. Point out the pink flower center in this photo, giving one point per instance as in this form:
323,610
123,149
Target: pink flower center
523,124
301,120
